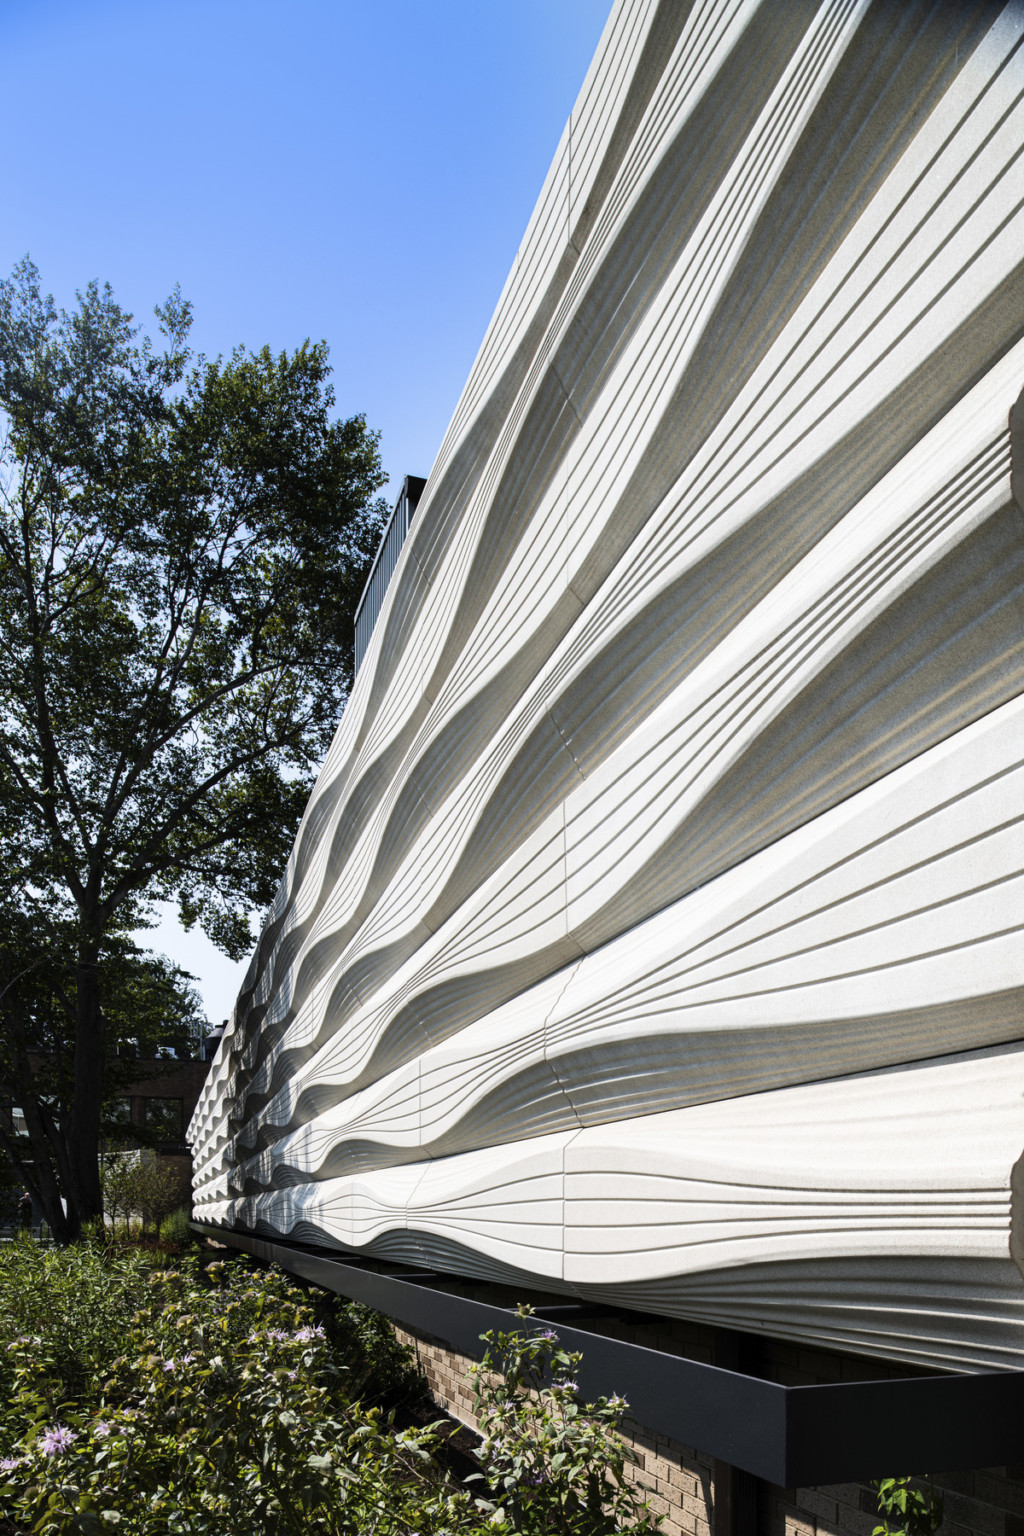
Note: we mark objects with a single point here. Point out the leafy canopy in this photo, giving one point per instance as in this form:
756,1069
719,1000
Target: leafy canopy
182,544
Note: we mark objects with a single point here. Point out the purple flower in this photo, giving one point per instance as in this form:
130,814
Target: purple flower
9,1463
568,1386
549,1333
308,1334
169,1365
101,1429
54,1442
23,1338
279,1336
188,1359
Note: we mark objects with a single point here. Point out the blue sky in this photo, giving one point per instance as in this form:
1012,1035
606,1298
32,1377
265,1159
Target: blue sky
326,168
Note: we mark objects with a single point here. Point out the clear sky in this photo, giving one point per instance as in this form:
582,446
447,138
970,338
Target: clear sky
360,172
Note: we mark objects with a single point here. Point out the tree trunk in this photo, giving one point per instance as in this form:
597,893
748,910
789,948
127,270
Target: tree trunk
42,1180
37,1173
45,1170
83,1142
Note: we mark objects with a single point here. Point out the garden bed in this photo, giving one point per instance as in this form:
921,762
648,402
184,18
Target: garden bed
193,1395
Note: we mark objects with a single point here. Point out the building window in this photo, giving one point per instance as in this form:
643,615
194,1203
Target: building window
164,1118
117,1114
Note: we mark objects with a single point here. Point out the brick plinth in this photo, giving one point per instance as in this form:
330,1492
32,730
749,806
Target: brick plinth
980,1503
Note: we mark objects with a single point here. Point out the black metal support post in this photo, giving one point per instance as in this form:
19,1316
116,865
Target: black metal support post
735,1489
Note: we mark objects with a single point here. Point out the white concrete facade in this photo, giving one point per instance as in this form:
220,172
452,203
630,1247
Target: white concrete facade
653,931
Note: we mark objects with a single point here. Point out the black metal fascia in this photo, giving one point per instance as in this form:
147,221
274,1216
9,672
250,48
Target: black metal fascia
861,1429
790,1436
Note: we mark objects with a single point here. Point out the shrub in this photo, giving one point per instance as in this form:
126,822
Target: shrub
378,1369
225,1408
76,1303
194,1402
906,1510
137,1184
554,1466
174,1228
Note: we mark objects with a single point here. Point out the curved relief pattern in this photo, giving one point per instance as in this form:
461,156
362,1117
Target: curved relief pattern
802,1182
682,777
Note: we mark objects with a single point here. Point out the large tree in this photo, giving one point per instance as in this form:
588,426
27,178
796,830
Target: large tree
150,1011
182,546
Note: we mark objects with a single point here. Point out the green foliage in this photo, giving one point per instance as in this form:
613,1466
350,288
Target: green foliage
554,1466
227,1406
907,1510
149,1007
183,542
72,1306
136,1184
118,1178
198,1401
174,1228
378,1369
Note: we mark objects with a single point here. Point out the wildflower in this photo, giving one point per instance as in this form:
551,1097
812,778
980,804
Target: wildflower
549,1333
568,1386
8,1463
188,1359
169,1366
54,1442
308,1335
101,1429
279,1336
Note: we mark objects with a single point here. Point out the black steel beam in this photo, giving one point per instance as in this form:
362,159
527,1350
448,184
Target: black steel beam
736,1491
791,1436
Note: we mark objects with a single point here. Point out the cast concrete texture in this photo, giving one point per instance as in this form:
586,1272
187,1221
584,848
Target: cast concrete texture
654,928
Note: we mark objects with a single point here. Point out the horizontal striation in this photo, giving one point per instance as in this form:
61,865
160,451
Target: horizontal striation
474,778
585,873
761,1191
889,929
670,844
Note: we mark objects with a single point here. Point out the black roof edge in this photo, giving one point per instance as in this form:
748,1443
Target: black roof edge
792,1436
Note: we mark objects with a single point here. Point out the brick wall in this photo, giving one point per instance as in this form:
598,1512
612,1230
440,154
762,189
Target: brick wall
680,1478
981,1503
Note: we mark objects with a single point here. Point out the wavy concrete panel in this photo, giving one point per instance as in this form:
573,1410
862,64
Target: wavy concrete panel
682,775
890,926
756,57
782,1183
352,871
282,992
633,784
